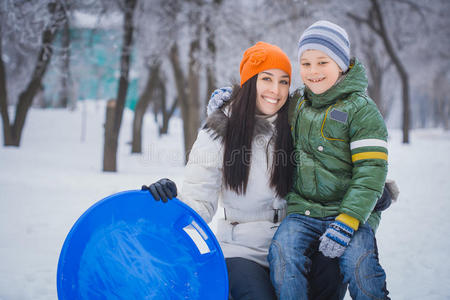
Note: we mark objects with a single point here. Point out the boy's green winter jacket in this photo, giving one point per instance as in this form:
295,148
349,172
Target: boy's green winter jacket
341,151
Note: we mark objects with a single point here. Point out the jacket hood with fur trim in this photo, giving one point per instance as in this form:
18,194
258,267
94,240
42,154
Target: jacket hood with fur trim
216,125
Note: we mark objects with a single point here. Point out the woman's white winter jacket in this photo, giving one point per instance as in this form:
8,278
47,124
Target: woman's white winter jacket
248,226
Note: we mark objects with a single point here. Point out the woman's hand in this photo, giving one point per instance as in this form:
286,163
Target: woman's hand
164,189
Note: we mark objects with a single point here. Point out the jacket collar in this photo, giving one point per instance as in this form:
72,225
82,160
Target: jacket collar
355,80
216,124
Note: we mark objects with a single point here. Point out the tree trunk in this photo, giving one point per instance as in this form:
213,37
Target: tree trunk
436,117
110,144
64,95
210,67
182,94
167,114
7,132
164,112
446,114
375,67
123,81
212,50
193,104
375,22
141,108
400,68
14,131
189,101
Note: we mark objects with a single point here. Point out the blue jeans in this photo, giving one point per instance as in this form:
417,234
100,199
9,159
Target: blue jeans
297,239
248,280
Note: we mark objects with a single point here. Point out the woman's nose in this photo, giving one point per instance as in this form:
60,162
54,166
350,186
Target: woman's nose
274,88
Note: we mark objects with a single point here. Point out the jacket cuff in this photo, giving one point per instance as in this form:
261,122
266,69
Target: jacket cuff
348,220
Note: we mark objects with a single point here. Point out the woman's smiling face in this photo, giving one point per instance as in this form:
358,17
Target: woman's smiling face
318,71
272,90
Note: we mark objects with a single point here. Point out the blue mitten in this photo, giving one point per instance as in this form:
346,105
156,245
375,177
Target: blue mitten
218,99
335,239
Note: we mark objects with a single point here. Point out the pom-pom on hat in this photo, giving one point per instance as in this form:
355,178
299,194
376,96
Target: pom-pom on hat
263,56
328,38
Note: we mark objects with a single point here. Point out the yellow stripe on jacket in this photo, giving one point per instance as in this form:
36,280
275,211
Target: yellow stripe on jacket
369,155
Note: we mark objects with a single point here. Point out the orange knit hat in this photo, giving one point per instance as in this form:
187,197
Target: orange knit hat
263,56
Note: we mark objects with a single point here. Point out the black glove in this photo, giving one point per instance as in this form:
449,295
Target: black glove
163,189
385,201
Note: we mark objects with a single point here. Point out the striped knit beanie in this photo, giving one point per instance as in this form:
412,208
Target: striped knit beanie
328,38
263,56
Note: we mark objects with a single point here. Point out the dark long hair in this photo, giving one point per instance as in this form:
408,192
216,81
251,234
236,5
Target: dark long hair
238,143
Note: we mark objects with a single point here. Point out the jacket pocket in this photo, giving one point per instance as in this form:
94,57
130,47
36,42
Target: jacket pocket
334,126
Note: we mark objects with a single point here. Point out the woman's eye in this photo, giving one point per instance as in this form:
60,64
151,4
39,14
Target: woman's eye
285,82
266,78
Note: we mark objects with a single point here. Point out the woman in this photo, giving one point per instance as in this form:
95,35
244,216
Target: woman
242,157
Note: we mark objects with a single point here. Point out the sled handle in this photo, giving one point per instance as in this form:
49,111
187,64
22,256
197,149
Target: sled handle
198,236
194,231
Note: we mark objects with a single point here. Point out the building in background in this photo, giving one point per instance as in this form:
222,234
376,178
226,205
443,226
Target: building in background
95,47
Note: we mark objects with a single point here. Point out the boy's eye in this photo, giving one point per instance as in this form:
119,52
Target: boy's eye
323,62
305,64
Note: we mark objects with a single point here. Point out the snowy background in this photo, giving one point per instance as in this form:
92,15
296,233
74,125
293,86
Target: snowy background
47,183
54,175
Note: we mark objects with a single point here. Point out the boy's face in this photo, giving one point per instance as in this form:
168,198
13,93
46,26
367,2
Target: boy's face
318,71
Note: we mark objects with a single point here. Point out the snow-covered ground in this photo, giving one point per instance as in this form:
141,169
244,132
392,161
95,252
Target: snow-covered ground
47,183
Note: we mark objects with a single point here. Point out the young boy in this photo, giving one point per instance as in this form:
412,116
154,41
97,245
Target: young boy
340,141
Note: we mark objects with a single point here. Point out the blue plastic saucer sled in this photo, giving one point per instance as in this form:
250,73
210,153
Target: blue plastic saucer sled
129,246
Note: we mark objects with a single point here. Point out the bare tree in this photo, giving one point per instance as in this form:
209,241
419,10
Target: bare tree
435,58
167,113
160,104
12,133
377,66
211,47
440,94
187,83
157,28
376,22
64,95
112,138
187,91
141,106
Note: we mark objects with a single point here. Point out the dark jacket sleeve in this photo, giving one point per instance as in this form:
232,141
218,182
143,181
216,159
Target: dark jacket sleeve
385,201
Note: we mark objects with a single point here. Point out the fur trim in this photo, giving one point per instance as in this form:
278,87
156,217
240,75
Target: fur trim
216,125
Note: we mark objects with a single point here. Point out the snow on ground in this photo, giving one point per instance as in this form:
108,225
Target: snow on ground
47,183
